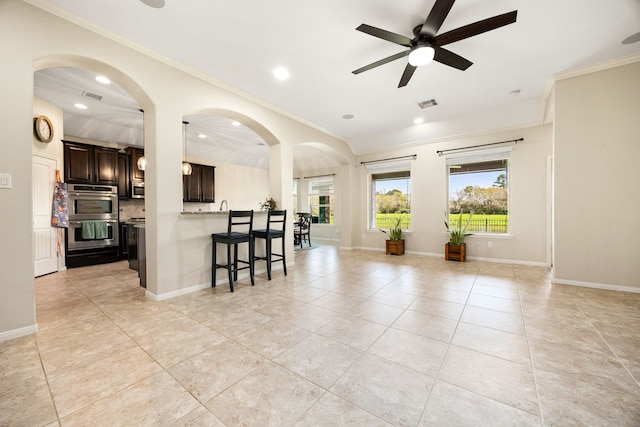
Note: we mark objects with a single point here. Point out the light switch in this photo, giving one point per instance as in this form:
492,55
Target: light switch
5,180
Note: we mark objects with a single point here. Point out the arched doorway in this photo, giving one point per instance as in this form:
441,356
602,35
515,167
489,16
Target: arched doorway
86,106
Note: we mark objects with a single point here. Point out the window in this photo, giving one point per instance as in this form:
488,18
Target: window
321,201
295,197
390,194
479,183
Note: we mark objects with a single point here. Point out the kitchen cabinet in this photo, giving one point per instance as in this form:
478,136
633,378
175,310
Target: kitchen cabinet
200,185
124,176
132,247
124,241
208,184
90,164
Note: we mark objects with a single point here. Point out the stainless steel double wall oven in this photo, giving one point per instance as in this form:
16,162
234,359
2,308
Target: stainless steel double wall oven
92,206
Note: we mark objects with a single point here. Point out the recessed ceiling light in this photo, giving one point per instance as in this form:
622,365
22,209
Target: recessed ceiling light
418,121
235,123
154,3
281,73
103,80
348,116
202,136
80,106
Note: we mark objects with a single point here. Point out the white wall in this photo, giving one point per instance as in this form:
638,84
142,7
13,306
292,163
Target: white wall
53,149
528,205
597,176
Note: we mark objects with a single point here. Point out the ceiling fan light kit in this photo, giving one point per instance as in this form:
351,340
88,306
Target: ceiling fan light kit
421,55
426,45
157,4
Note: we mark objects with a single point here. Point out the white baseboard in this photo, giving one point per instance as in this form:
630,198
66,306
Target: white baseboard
441,255
176,293
196,288
508,261
17,333
605,286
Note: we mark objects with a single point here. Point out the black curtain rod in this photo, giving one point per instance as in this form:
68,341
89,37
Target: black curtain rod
412,156
318,176
441,152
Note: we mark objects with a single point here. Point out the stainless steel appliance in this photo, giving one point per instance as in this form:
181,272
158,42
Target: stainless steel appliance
137,189
97,204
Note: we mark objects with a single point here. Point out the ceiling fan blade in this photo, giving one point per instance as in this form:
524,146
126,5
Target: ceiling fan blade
381,62
385,35
406,76
477,28
451,59
436,17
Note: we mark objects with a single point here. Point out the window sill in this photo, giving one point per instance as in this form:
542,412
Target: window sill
507,236
375,230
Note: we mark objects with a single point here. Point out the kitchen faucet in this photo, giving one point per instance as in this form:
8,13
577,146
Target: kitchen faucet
224,203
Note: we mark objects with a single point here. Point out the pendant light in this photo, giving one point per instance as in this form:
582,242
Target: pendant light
142,162
186,166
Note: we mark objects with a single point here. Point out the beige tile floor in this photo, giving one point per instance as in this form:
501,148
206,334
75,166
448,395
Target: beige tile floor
347,338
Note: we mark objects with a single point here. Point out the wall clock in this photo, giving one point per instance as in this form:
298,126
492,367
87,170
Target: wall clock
43,128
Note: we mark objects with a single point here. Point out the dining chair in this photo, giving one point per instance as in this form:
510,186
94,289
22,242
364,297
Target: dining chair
302,230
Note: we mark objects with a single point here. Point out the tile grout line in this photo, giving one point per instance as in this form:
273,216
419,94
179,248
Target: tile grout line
437,376
531,364
46,378
606,342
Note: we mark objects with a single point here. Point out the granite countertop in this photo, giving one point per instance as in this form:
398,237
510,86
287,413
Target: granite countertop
217,212
133,221
204,212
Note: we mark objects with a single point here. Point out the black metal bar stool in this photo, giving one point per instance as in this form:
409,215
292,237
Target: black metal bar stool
276,224
242,220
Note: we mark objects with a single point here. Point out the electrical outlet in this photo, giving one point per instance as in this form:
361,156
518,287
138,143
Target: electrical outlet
489,245
5,180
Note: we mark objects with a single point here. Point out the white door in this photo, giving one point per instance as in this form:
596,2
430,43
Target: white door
44,236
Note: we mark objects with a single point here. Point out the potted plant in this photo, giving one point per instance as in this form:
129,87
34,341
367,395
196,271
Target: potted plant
456,249
395,243
268,204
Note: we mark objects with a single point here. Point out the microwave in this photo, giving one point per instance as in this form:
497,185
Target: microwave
137,189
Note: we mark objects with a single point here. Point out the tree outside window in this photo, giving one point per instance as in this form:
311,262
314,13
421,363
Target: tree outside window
480,187
390,196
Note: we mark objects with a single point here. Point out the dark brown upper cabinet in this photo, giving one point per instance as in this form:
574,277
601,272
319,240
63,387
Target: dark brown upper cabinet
89,164
200,185
124,176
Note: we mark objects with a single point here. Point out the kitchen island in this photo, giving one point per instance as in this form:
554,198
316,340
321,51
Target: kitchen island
190,249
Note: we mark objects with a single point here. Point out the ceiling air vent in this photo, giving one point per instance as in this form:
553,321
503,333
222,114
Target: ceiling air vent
92,95
428,103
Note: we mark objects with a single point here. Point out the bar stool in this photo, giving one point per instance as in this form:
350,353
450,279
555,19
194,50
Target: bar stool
276,223
237,220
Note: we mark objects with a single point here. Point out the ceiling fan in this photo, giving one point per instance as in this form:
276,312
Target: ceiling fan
426,44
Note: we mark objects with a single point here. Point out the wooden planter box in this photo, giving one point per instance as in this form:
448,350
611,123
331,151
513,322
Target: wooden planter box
395,247
455,252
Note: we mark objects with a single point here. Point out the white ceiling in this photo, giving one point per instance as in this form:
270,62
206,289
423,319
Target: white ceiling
239,43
